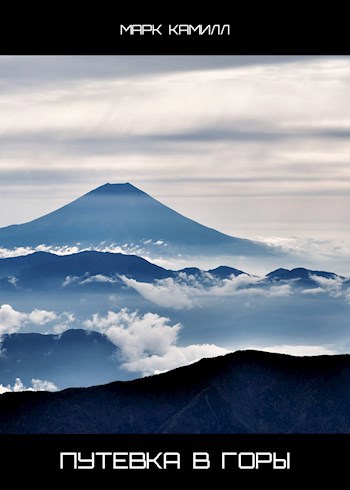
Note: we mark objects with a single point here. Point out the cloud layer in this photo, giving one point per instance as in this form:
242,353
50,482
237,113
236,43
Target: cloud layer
148,343
187,291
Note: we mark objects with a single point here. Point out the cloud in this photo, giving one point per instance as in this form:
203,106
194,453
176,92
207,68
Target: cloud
99,278
12,321
86,279
187,291
313,291
44,71
332,286
136,335
174,358
65,320
41,317
166,293
148,343
330,254
37,385
43,385
298,350
125,248
6,253
244,285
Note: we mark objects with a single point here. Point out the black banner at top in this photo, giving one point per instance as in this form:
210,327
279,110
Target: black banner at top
236,33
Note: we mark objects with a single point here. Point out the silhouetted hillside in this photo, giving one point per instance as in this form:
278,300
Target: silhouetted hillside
243,392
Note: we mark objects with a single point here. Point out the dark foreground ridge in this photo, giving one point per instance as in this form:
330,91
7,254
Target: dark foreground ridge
243,392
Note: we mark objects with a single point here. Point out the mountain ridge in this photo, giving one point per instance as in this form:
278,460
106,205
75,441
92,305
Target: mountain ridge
242,392
50,269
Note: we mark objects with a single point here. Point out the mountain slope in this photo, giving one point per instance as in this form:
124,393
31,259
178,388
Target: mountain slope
244,392
89,269
12,265
301,276
53,273
73,358
98,271
123,214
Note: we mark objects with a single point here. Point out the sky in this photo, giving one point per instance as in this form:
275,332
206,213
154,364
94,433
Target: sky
256,147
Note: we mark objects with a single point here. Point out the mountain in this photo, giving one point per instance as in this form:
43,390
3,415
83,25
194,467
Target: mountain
300,275
221,272
87,270
49,271
12,265
89,264
243,392
73,358
99,271
122,214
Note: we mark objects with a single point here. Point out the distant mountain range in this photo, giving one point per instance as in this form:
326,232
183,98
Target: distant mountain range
244,392
124,215
73,358
301,275
42,271
99,271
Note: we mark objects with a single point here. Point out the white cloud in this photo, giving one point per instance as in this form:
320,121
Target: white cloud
37,385
244,285
298,350
166,293
86,279
332,286
99,278
41,317
320,253
313,291
43,385
187,291
136,335
148,343
174,358
65,322
233,283
12,321
6,253
125,248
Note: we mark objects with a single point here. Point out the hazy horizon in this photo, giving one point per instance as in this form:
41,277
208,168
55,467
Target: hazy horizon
253,146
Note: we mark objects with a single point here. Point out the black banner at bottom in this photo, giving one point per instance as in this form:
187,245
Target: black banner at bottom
161,457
